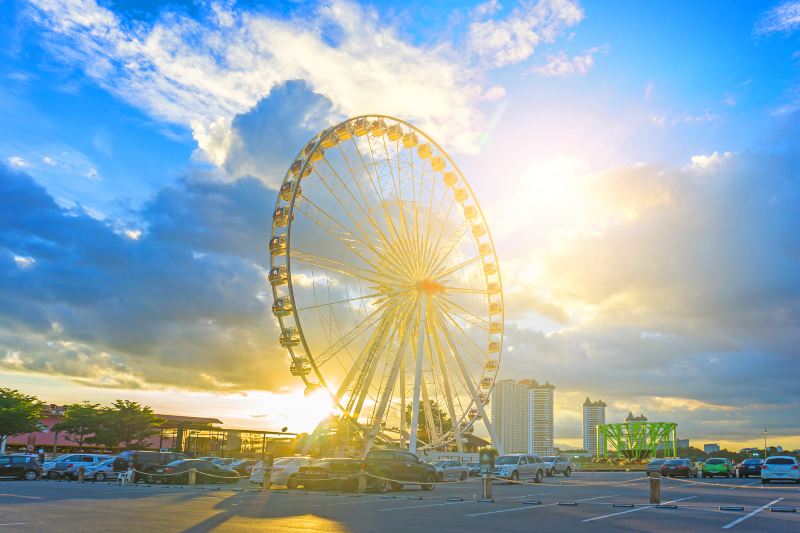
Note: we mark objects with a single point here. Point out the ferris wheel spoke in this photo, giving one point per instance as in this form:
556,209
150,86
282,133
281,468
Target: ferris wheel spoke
345,339
464,290
471,342
342,268
468,315
464,264
354,299
343,235
449,245
364,361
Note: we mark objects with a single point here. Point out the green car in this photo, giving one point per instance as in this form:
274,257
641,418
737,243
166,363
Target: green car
717,466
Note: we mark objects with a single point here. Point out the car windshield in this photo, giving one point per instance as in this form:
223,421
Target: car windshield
176,462
549,458
715,462
439,463
473,464
657,462
780,461
284,461
507,460
674,462
107,462
752,462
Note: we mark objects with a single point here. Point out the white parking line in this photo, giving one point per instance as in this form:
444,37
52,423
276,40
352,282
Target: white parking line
751,514
420,506
635,510
538,506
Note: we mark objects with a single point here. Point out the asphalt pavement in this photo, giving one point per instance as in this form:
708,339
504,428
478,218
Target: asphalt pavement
582,502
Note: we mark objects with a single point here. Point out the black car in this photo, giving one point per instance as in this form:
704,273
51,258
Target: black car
749,467
390,469
144,461
19,467
178,472
333,473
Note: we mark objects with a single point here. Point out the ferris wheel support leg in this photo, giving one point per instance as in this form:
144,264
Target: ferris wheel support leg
412,443
471,386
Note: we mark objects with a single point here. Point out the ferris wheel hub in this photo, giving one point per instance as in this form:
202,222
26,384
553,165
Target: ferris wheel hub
430,287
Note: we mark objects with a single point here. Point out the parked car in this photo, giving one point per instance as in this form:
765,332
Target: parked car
144,461
390,469
519,466
749,467
101,471
338,473
474,469
717,466
223,461
557,464
22,466
780,467
678,467
242,466
177,472
654,466
283,470
66,466
451,470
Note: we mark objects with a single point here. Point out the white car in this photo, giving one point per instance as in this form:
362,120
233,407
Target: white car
557,464
284,471
450,470
780,467
519,466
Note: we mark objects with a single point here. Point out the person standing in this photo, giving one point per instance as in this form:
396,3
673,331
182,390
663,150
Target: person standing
41,456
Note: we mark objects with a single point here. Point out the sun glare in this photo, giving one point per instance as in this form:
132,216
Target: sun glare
308,411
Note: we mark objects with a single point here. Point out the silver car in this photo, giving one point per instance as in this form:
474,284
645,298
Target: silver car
519,466
451,470
557,464
67,465
284,471
103,471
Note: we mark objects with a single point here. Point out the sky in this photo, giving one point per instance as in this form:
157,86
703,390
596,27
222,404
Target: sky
637,166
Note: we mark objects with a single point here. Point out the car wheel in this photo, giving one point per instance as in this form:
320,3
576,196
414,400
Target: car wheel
31,475
52,475
568,472
463,476
382,485
727,474
428,483
539,476
292,482
100,476
439,477
764,481
515,476
551,473
395,487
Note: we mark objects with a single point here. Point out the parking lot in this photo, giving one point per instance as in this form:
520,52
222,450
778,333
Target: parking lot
585,501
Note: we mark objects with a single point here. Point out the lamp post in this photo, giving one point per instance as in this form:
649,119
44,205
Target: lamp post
765,444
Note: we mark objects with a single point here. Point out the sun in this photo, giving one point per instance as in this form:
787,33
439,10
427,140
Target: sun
308,411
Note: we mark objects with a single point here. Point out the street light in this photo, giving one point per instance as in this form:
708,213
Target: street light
765,444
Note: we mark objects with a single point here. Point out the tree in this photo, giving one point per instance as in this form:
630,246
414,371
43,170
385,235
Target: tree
441,421
19,413
125,424
80,420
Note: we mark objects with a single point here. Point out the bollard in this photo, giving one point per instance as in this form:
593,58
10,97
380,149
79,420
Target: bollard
81,473
487,487
131,475
362,482
655,487
192,476
267,481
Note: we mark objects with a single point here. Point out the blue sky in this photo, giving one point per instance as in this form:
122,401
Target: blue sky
141,143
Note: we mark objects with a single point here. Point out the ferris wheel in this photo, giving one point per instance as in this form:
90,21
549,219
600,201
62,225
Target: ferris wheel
386,284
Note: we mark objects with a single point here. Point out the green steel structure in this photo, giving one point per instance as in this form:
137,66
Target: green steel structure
637,439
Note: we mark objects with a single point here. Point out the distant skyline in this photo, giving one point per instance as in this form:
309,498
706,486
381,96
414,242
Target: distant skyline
637,166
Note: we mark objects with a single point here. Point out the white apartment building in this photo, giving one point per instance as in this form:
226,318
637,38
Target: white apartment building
522,414
594,414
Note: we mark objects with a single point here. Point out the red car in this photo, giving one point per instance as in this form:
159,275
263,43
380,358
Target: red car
678,467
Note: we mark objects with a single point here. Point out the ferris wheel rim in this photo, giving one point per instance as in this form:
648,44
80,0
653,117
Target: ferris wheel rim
298,324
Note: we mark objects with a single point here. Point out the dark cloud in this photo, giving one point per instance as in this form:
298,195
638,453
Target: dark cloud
185,304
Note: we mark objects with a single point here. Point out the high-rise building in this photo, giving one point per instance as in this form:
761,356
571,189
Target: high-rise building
711,448
594,414
510,415
522,414
540,417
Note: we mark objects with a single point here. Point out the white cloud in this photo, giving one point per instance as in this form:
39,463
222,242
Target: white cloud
706,163
203,72
133,234
782,18
487,9
516,37
17,161
705,116
649,90
24,262
561,65
49,161
494,93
